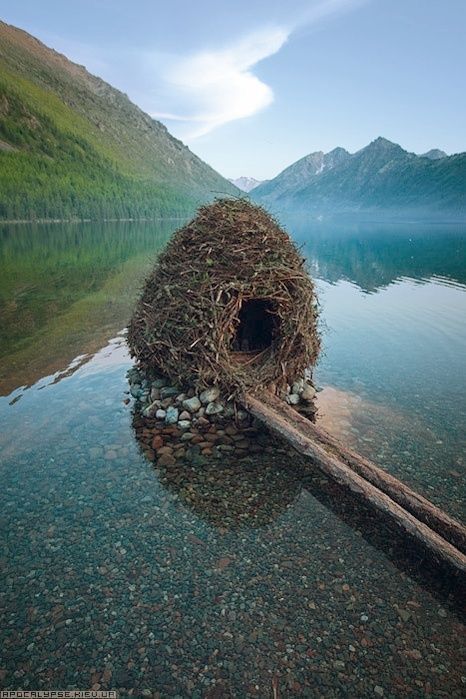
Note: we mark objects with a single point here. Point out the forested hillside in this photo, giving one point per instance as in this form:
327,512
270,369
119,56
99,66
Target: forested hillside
71,146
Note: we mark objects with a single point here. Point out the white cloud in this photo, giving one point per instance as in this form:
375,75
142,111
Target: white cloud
218,86
325,8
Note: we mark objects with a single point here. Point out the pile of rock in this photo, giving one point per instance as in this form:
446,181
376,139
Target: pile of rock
301,395
196,425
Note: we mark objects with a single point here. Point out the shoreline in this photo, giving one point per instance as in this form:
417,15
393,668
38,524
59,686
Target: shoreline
295,215
92,220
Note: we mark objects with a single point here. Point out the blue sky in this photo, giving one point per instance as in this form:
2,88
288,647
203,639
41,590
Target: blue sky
253,85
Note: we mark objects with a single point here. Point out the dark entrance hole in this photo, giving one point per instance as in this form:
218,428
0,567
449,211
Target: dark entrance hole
257,325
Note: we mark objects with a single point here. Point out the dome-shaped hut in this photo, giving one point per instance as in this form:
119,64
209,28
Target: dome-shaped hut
228,303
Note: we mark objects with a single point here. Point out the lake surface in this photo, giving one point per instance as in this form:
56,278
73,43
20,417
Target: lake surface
111,577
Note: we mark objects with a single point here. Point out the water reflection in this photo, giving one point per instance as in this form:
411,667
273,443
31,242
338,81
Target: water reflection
229,493
65,289
373,256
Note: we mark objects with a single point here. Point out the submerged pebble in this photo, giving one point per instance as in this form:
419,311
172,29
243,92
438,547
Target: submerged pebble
171,416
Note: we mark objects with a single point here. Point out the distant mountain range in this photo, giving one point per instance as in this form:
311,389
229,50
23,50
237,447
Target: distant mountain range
380,180
246,184
72,146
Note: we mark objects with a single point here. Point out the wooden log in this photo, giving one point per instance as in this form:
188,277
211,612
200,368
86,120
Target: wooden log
336,469
449,528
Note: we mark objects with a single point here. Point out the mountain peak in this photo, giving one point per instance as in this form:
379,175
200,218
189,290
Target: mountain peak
382,143
434,154
246,184
382,150
382,177
338,151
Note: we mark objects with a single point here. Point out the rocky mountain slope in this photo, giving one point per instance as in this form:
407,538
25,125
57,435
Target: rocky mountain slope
73,146
434,154
382,178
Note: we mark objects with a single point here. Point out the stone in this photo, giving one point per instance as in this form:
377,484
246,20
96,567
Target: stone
404,614
185,415
159,383
242,415
242,444
184,424
229,409
223,563
151,409
155,394
293,399
172,415
298,386
307,409
224,438
378,690
308,392
187,437
168,391
192,404
136,390
205,445
157,442
160,414
166,460
214,408
414,654
210,395
257,448
133,375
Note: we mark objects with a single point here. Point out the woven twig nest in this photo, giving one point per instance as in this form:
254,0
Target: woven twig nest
229,303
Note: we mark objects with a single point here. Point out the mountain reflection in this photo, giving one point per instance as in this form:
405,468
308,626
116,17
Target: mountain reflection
66,288
373,256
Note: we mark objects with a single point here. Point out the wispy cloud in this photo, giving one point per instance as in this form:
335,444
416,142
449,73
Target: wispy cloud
218,86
